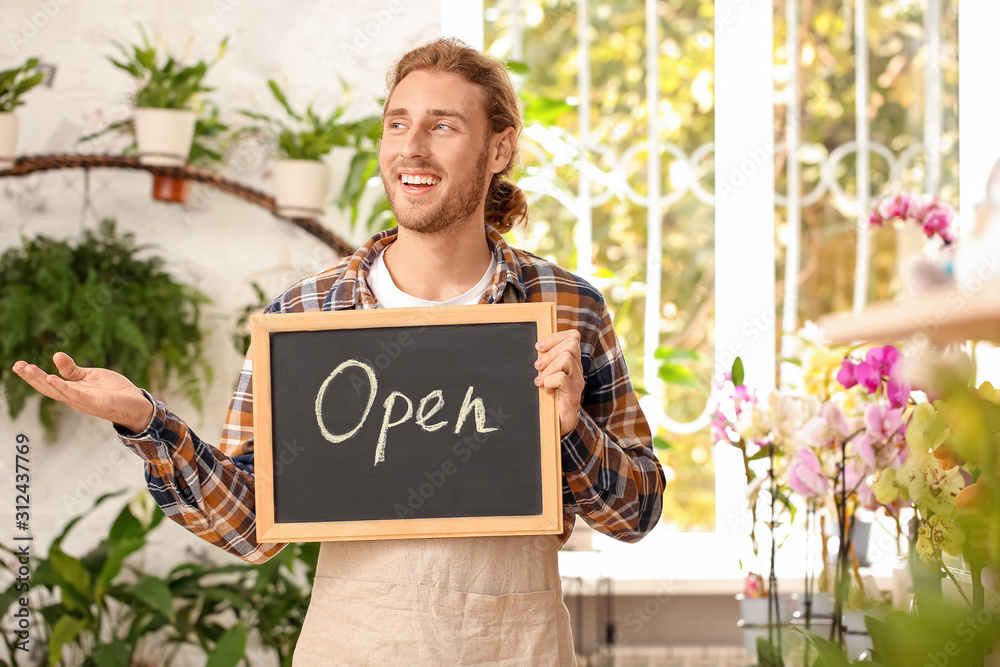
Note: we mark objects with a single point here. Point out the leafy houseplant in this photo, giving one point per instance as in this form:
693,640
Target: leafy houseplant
209,133
303,140
164,120
102,304
13,84
100,609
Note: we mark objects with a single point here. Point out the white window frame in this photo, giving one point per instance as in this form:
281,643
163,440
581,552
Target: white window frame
744,253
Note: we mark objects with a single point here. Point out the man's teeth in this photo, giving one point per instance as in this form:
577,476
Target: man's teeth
410,179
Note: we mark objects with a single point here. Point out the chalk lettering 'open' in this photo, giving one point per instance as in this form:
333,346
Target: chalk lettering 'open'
469,405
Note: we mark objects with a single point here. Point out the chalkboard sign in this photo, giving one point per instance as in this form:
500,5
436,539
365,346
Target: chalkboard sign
402,423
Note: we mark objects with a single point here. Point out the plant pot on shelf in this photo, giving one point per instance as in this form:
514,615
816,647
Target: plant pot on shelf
302,188
822,606
8,139
164,136
754,610
753,621
168,188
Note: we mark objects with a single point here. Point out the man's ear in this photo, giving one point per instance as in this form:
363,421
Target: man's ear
501,148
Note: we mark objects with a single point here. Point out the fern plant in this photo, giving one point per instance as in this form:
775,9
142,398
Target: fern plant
102,304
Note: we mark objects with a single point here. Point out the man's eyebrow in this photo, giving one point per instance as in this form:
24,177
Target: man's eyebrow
444,113
448,113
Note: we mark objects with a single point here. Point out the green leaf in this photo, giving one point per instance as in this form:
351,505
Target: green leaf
673,354
659,442
737,373
156,593
516,67
767,654
282,100
112,654
71,570
677,375
65,631
830,654
230,648
117,553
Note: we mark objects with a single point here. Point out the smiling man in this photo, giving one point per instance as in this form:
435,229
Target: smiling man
450,129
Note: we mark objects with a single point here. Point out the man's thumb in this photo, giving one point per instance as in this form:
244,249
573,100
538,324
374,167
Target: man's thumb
67,367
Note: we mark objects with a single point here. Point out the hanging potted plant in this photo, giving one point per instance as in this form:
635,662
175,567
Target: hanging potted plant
13,84
164,123
206,146
303,140
209,133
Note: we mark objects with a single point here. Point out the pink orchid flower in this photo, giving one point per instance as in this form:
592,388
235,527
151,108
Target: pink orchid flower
897,388
827,430
882,444
805,476
847,376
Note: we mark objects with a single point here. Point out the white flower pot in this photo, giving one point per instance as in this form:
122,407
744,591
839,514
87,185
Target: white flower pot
792,642
302,188
822,606
753,611
164,136
8,139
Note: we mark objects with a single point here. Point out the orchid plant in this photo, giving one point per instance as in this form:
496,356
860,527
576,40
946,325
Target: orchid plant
853,433
760,428
937,218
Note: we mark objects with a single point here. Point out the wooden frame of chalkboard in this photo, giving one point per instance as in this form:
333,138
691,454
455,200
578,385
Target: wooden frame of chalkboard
466,444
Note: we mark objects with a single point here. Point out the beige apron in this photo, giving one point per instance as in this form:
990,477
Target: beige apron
448,601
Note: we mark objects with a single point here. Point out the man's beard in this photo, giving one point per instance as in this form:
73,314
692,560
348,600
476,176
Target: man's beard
463,201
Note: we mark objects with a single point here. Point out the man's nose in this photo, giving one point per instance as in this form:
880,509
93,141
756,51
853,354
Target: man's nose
415,144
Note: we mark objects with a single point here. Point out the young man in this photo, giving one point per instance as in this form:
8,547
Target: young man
450,129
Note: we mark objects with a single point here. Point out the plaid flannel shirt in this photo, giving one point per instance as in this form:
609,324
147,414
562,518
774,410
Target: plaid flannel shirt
611,476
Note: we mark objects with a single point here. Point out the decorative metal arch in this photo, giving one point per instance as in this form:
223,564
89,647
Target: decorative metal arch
32,163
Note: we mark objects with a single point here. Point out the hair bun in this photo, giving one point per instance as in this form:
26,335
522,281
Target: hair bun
506,206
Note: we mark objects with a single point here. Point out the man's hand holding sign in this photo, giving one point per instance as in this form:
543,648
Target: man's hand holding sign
560,372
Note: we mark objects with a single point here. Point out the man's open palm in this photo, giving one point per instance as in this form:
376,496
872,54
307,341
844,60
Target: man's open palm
93,391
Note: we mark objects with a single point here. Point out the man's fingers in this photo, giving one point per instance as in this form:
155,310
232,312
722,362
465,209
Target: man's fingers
561,378
566,362
37,378
52,386
570,347
551,347
550,341
67,367
553,381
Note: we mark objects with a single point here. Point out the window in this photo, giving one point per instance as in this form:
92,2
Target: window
754,239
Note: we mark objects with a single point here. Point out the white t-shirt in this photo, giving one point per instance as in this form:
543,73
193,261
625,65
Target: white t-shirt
390,296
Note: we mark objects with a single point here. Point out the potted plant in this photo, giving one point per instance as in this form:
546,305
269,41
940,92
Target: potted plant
206,145
13,84
209,132
102,304
762,429
165,121
102,608
303,140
